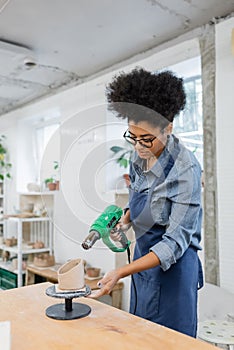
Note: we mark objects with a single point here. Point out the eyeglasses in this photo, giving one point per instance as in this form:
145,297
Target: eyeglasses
145,142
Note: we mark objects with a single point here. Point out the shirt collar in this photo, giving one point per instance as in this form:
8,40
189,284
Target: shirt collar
162,161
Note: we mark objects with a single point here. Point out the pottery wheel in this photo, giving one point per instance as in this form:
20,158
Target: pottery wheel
68,310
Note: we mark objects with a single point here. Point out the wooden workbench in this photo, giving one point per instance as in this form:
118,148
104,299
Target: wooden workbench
104,328
50,274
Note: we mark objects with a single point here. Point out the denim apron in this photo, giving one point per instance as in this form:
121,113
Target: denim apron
168,298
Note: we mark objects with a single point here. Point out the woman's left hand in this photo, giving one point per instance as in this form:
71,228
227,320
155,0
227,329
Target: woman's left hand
106,284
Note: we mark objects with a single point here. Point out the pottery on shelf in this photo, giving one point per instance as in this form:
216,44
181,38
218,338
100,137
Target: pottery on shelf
28,207
127,179
5,256
44,260
14,264
11,242
71,275
38,245
93,272
33,187
57,185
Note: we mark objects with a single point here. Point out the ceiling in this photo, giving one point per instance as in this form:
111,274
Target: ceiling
46,46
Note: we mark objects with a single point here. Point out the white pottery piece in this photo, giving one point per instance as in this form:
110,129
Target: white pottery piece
33,187
71,275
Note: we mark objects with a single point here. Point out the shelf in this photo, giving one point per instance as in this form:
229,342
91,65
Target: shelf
34,219
3,210
24,249
5,265
46,193
29,228
8,266
39,226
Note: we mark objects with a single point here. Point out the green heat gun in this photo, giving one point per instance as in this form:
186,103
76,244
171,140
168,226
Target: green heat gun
102,227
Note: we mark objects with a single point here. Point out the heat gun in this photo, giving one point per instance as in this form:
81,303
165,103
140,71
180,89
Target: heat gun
102,228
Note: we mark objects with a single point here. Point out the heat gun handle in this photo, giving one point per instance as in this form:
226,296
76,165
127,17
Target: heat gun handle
122,238
124,241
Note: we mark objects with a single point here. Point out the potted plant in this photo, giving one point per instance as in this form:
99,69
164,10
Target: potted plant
52,182
5,166
122,156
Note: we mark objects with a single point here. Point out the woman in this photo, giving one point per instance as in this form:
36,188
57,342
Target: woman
164,202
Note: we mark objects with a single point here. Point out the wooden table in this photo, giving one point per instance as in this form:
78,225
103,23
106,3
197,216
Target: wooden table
104,328
50,275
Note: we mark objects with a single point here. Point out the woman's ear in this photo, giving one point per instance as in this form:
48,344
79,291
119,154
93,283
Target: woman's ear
169,128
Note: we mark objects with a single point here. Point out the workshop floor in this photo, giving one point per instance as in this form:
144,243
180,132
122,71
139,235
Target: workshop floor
215,303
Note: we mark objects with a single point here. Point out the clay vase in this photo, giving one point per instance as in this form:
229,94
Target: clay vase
127,179
71,275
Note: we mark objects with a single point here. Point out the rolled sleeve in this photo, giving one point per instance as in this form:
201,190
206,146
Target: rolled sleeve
165,255
183,226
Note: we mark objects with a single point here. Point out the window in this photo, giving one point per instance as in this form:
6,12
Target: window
188,126
43,135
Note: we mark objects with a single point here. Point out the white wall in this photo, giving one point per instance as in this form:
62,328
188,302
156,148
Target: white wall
225,146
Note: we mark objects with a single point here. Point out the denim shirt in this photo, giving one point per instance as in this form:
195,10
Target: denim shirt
175,202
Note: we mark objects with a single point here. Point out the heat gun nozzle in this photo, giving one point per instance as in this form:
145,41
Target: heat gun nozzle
90,240
86,246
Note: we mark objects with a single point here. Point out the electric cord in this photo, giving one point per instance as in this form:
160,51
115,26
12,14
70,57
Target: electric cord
133,281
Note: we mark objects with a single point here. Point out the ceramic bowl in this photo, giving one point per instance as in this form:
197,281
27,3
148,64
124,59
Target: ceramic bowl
93,271
28,207
33,187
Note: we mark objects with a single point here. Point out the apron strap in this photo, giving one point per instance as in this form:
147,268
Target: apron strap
200,275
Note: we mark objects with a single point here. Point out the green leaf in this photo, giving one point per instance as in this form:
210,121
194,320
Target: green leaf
123,162
56,165
2,150
4,165
116,149
50,179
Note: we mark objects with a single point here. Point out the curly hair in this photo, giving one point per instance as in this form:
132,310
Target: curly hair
146,96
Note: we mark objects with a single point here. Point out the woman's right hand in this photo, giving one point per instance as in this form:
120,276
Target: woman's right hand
115,234
124,225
